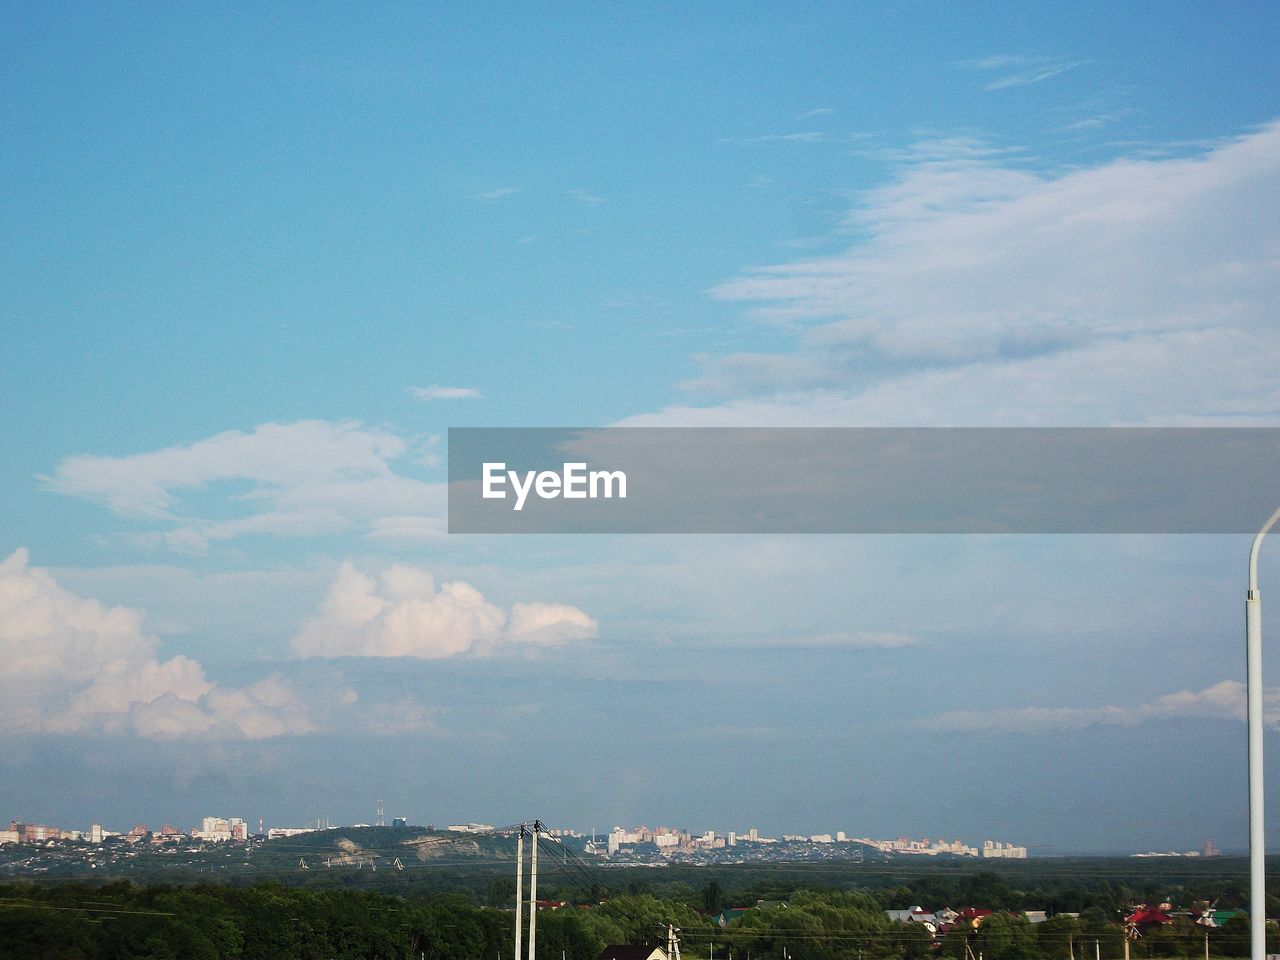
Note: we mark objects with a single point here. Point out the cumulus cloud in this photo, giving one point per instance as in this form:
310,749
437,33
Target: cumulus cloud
70,664
1225,700
549,624
403,613
1137,291
308,478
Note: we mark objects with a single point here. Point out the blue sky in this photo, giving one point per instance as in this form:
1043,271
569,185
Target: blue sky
257,261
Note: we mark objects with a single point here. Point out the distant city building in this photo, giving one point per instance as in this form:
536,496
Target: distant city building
399,822
221,829
925,847
470,828
1007,851
34,832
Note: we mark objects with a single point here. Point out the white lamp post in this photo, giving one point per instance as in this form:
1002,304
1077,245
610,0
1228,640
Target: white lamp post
1257,838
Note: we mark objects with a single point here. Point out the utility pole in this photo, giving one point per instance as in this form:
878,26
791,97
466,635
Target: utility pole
533,889
1253,671
519,891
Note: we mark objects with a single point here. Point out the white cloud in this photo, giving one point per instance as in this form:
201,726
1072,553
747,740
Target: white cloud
1224,700
435,392
408,529
1026,69
1025,78
308,478
403,614
499,193
70,664
1136,291
835,640
548,624
998,61
801,136
863,640
1096,121
586,197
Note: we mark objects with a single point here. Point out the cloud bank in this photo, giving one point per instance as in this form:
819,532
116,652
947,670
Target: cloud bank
1138,291
403,614
1226,700
72,665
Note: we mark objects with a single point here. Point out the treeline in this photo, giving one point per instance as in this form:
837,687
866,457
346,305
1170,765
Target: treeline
124,921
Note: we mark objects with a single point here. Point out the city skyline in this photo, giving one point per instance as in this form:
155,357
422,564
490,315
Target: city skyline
675,844
258,264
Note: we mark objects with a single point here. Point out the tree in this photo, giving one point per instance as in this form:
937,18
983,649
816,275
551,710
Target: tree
1055,937
501,892
1003,936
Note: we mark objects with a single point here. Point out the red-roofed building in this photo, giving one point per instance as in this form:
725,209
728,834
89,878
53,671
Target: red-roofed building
1146,917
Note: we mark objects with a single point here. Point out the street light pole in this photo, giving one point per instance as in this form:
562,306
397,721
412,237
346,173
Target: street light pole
1257,838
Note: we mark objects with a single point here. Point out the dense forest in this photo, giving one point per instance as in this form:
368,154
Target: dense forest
801,914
